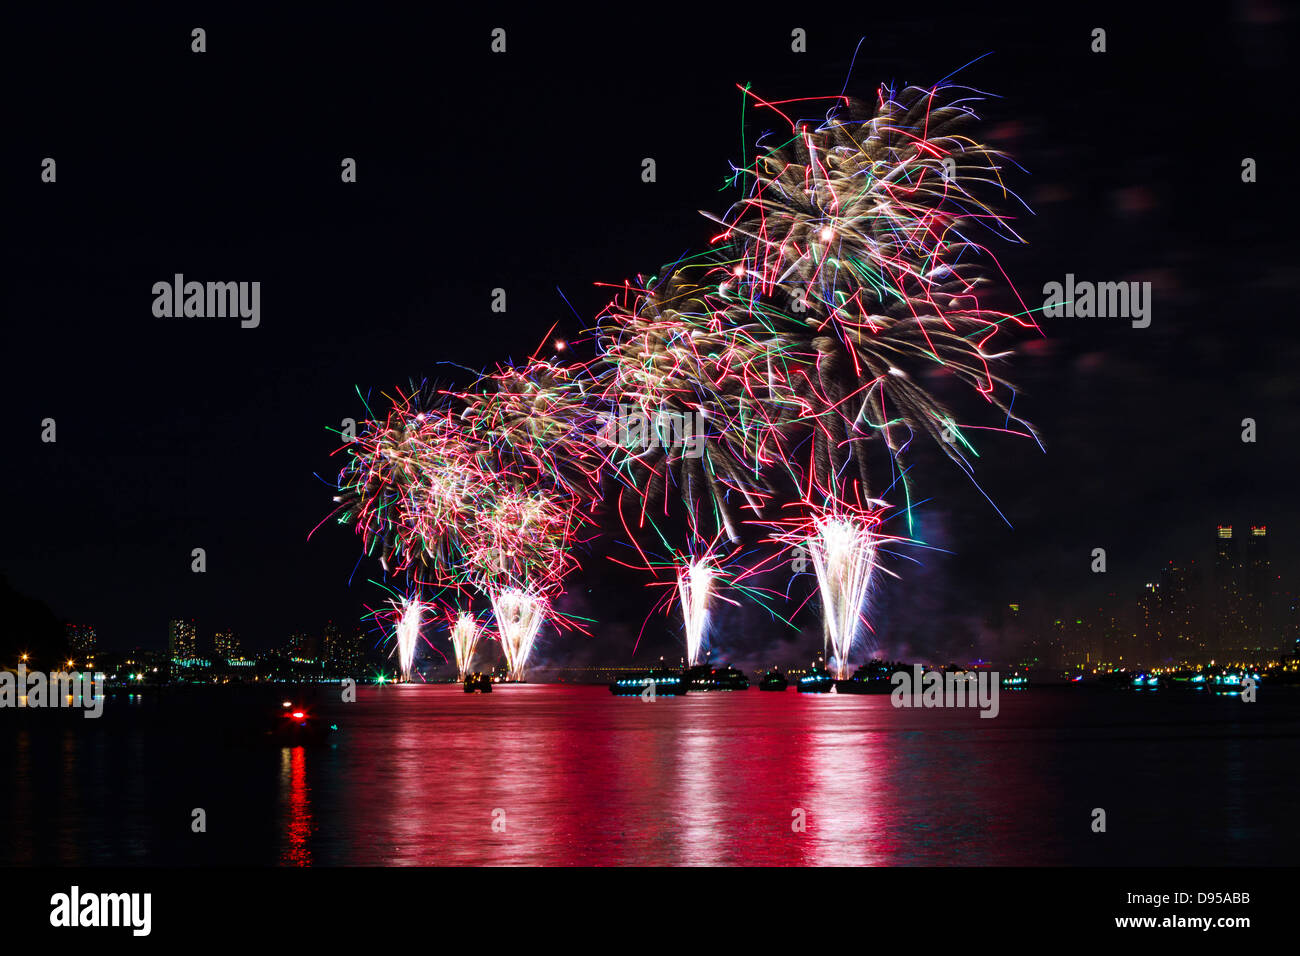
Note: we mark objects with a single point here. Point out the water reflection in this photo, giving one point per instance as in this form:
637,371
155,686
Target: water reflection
846,769
582,778
696,812
296,800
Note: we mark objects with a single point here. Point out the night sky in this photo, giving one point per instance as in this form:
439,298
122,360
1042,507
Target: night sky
522,171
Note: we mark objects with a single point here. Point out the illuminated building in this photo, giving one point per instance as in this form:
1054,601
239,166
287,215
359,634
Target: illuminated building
182,640
1148,637
81,640
1255,594
304,648
1105,647
1229,623
225,645
1182,628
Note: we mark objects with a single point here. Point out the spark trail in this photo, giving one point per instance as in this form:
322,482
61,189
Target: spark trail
464,636
694,586
519,616
843,551
408,633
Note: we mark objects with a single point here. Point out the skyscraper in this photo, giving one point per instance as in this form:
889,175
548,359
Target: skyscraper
331,644
1148,647
182,640
1181,620
1255,593
1229,623
1106,634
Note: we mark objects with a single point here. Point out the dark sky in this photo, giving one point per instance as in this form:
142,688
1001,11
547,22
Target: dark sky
523,171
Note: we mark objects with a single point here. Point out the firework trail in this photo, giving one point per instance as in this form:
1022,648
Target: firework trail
857,240
843,281
464,636
669,351
408,487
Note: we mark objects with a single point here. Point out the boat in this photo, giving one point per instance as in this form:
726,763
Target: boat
478,683
295,724
817,681
704,678
665,681
873,677
773,680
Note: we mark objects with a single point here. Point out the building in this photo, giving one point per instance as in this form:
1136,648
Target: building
1229,620
354,651
1106,635
343,653
182,640
1182,628
81,640
303,648
1286,620
331,644
225,645
1147,643
1255,599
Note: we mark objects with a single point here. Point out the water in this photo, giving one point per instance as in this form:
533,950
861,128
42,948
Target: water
418,774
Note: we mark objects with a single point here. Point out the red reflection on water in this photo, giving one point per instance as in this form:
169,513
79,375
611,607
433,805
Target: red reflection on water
294,793
570,775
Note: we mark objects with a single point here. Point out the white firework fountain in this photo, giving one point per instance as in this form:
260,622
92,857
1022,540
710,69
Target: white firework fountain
694,586
408,633
519,617
464,636
843,550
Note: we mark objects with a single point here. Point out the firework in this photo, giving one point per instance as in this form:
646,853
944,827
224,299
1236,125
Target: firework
534,430
408,488
694,580
855,248
678,429
407,633
790,366
519,616
843,551
694,584
520,553
464,636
